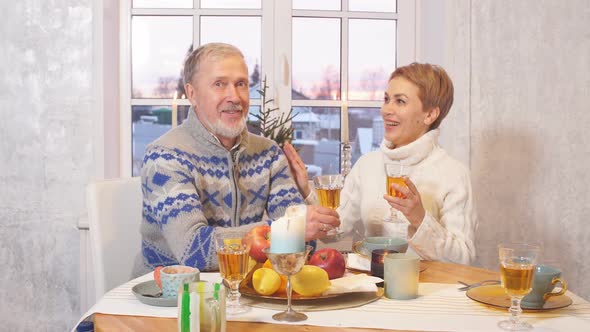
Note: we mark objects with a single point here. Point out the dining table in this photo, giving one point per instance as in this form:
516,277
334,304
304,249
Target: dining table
431,272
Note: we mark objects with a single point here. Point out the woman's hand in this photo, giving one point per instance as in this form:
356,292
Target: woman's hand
411,205
319,221
298,169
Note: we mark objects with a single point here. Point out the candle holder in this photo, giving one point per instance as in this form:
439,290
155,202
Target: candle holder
377,262
288,264
346,158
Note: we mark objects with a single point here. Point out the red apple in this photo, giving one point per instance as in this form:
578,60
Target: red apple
259,238
157,276
331,260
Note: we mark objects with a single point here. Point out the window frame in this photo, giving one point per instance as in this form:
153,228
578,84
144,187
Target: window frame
275,59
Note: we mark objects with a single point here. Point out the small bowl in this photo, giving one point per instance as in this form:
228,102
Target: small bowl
366,246
174,276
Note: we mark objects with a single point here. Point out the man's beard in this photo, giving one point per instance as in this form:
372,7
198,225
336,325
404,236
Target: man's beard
221,129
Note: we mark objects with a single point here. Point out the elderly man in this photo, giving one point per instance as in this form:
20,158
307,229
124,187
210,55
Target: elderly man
210,174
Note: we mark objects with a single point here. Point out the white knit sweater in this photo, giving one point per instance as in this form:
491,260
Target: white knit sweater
448,229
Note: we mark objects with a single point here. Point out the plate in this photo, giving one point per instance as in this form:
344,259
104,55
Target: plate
150,287
335,302
495,295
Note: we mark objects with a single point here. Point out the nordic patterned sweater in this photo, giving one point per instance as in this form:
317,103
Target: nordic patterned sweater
193,187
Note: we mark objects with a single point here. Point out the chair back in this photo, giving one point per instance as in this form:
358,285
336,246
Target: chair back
114,219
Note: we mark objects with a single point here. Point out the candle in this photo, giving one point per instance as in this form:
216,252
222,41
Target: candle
344,125
287,234
174,110
377,262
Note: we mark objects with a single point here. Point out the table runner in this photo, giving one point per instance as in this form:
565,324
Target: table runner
440,307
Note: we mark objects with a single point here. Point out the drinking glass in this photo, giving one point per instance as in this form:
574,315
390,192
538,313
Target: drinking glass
233,255
517,262
395,173
328,188
288,264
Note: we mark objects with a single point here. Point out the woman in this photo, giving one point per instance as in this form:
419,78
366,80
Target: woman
438,204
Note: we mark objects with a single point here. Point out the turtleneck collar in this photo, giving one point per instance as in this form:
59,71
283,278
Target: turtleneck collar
199,132
413,153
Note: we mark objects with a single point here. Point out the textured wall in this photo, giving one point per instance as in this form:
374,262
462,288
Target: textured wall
530,91
45,144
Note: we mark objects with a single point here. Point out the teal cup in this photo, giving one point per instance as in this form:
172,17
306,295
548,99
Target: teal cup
545,279
386,243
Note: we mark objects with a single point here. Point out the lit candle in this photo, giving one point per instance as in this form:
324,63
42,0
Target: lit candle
174,110
344,125
287,234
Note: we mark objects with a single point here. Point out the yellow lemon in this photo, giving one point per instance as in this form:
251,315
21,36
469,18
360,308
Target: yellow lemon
283,288
265,281
310,281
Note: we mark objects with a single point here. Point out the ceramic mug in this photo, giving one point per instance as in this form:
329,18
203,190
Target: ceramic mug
545,278
174,276
382,242
201,307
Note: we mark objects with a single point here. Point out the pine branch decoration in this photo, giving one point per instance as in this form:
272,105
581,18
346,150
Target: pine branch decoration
279,129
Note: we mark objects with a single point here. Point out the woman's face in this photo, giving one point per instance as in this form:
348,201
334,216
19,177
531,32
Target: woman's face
403,115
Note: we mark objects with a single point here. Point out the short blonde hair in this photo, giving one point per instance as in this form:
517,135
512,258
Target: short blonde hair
193,61
435,88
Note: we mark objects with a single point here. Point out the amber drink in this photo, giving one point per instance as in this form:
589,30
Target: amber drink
233,254
233,263
329,197
397,180
516,279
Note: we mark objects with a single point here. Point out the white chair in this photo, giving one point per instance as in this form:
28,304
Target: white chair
114,218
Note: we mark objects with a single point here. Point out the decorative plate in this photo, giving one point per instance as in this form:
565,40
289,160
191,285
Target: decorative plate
148,292
495,295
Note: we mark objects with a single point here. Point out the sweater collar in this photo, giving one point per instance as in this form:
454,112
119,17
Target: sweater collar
199,132
414,152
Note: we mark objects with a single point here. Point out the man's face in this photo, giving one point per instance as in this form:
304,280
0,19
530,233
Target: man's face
219,93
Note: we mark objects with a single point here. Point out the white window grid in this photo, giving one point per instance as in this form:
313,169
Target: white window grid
276,61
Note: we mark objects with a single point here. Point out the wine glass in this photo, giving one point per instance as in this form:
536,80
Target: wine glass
288,264
395,173
233,255
517,263
328,188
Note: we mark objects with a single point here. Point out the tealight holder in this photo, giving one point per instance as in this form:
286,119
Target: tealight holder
377,262
288,264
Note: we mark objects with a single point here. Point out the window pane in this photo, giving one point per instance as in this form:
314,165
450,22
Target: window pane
159,45
162,3
370,61
149,123
317,136
253,122
247,38
230,4
388,6
366,130
316,58
318,5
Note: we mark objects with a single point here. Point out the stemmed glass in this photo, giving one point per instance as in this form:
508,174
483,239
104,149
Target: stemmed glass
395,173
517,262
233,255
328,188
288,264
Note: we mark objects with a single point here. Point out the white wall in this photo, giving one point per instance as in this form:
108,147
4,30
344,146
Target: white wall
47,158
520,120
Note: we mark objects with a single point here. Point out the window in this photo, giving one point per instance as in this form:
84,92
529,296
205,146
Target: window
328,60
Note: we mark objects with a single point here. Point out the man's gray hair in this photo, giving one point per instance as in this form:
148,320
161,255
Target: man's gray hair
211,50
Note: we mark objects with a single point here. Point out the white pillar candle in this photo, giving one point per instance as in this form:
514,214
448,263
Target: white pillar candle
287,234
344,123
174,110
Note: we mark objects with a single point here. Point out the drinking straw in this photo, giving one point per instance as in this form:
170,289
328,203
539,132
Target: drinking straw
185,310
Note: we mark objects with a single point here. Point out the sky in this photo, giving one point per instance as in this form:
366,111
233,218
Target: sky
159,45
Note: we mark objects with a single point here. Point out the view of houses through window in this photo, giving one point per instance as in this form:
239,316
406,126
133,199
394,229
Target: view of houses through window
342,59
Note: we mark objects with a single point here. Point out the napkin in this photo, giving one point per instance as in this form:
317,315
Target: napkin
352,284
358,262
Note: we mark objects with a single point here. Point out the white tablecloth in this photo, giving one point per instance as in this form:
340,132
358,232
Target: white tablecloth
440,307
